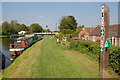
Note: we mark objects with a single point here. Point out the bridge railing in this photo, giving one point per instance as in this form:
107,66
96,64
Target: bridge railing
47,33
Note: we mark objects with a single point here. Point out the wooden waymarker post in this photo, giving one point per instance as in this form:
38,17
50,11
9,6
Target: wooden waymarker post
104,36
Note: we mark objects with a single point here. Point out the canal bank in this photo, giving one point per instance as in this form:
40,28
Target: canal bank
11,36
5,48
48,59
27,58
4,36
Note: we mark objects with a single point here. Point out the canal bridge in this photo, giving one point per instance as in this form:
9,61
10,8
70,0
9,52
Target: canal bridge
44,34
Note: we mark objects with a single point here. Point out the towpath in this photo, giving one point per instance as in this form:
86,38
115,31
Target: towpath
47,59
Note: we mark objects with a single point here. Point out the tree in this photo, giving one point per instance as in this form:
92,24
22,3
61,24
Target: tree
35,28
67,31
5,28
68,22
23,27
15,26
0,29
12,28
79,28
46,30
46,26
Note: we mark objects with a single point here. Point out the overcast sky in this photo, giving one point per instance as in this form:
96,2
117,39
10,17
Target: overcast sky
50,13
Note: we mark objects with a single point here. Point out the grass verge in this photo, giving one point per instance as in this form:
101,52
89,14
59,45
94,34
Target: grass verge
47,59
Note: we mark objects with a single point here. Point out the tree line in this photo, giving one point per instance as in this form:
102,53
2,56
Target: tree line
14,27
68,25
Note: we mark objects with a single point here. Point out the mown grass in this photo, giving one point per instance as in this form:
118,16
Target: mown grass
47,59
3,36
0,75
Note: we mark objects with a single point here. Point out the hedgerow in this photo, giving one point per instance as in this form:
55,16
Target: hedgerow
93,50
114,58
86,47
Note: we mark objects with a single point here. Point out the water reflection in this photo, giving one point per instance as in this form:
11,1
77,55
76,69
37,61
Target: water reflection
4,46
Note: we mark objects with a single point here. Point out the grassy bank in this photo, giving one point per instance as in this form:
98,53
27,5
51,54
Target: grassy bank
0,75
7,36
46,59
4,36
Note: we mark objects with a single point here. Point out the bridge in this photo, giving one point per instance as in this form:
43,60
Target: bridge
44,34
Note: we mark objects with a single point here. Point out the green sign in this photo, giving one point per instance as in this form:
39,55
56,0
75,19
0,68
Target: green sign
108,43
101,50
102,32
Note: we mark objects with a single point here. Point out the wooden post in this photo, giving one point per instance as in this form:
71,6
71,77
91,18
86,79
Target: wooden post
104,36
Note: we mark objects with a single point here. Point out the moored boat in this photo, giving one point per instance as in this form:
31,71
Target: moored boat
19,45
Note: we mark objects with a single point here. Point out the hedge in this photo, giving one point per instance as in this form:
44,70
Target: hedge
114,58
93,50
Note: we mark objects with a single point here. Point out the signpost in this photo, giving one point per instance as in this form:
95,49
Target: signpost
104,37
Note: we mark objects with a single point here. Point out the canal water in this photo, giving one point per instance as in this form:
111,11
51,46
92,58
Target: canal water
4,46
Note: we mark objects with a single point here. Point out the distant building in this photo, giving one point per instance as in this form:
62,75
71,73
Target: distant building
93,34
22,32
84,34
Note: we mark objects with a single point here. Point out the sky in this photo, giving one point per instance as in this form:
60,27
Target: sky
50,13
0,11
60,0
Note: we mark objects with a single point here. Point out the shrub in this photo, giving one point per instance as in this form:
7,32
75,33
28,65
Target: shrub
59,36
93,50
86,47
114,58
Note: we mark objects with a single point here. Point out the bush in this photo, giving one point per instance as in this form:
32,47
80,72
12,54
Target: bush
59,36
86,47
114,58
93,50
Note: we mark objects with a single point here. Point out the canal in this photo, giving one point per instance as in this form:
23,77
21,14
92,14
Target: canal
4,46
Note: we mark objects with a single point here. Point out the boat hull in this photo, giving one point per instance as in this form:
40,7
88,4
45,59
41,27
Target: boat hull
18,50
15,52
